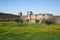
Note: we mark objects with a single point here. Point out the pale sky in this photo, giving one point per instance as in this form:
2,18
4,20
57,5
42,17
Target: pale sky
36,6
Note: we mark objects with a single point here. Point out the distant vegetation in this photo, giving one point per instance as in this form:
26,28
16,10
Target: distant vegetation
29,31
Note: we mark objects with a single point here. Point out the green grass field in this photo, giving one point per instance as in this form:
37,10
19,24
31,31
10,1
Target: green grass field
29,31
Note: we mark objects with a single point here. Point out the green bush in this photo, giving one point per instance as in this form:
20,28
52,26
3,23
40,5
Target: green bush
48,22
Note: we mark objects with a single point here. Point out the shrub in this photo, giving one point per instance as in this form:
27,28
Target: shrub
27,20
36,21
19,20
48,22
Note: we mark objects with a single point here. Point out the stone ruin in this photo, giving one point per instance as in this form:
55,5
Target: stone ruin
36,18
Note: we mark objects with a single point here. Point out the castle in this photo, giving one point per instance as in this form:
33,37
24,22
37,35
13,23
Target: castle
30,17
38,17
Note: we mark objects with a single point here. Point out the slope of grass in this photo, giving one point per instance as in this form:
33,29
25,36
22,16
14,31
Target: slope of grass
29,31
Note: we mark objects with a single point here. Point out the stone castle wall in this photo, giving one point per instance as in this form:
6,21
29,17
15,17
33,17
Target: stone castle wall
32,17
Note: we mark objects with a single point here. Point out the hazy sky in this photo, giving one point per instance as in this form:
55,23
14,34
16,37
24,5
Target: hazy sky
37,6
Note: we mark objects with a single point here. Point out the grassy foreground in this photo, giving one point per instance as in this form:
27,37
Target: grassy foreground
29,31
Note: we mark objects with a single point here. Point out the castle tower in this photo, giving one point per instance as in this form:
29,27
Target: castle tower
20,13
29,13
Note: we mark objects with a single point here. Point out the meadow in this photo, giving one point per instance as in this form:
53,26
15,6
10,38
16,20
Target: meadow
29,31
